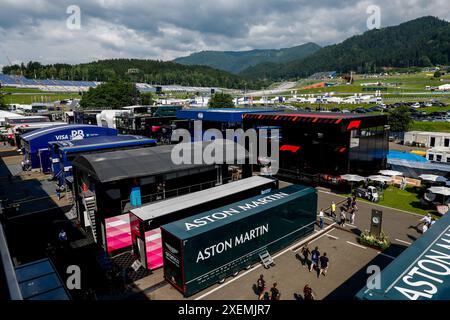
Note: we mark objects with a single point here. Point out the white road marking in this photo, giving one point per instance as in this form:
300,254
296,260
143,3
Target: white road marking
310,239
333,237
405,242
386,255
356,245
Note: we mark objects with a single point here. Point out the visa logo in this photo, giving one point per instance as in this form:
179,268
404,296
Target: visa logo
62,137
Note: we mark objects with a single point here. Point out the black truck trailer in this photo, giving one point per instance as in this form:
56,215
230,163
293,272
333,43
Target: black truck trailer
204,249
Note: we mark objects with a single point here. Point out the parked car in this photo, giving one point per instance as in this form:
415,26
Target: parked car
370,193
359,110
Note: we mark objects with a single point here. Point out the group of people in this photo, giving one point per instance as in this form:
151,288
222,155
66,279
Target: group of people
272,294
347,211
317,261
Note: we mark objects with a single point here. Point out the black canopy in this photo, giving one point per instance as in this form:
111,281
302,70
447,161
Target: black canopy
134,163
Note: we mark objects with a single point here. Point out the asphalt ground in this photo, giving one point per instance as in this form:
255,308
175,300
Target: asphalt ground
348,260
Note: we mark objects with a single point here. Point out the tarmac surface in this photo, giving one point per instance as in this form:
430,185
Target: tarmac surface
41,216
348,261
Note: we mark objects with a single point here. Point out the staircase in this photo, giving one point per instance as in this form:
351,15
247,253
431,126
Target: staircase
266,259
69,195
90,205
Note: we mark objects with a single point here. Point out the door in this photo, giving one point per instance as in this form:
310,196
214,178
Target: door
142,252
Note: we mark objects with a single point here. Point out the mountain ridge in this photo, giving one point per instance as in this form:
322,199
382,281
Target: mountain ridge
237,61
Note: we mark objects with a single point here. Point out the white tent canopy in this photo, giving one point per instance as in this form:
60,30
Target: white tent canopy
380,178
440,190
432,178
390,173
352,177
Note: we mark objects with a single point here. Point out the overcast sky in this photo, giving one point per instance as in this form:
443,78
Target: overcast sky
165,29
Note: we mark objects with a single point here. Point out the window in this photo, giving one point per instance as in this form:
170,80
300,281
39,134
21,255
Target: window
446,142
431,157
438,158
448,160
432,141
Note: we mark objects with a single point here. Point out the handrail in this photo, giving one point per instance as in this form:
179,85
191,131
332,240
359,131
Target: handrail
158,196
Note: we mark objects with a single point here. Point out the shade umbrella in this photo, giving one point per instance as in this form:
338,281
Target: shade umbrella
390,173
432,178
352,178
380,178
444,191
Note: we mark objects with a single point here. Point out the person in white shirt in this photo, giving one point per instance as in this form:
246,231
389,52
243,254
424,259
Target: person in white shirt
321,216
424,221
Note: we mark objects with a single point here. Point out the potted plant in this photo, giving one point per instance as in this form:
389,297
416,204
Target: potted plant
382,242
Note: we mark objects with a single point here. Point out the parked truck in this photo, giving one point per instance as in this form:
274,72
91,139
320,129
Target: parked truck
206,248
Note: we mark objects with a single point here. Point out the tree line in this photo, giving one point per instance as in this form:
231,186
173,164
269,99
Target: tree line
135,70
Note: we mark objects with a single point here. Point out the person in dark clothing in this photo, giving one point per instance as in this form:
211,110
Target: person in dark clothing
261,285
274,292
308,293
324,263
315,254
349,202
305,253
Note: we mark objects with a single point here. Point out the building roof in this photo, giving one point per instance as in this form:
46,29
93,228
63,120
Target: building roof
102,141
178,228
135,163
429,133
172,205
7,114
427,254
38,280
55,130
220,115
348,120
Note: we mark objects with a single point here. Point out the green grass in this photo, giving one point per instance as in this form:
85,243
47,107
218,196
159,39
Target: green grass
42,97
401,83
430,126
20,90
406,200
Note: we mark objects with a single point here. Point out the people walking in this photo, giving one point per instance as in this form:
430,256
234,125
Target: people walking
403,183
58,193
308,293
274,292
261,286
343,217
353,214
349,202
62,237
321,216
315,254
424,221
324,263
305,252
333,209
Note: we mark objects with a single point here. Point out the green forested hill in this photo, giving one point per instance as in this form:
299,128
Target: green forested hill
237,61
137,70
421,42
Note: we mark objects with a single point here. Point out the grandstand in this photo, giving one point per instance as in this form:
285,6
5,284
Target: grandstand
51,85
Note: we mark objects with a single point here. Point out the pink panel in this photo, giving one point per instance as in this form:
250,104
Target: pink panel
118,232
154,249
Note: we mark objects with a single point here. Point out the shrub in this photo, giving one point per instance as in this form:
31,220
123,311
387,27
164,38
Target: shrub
382,242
